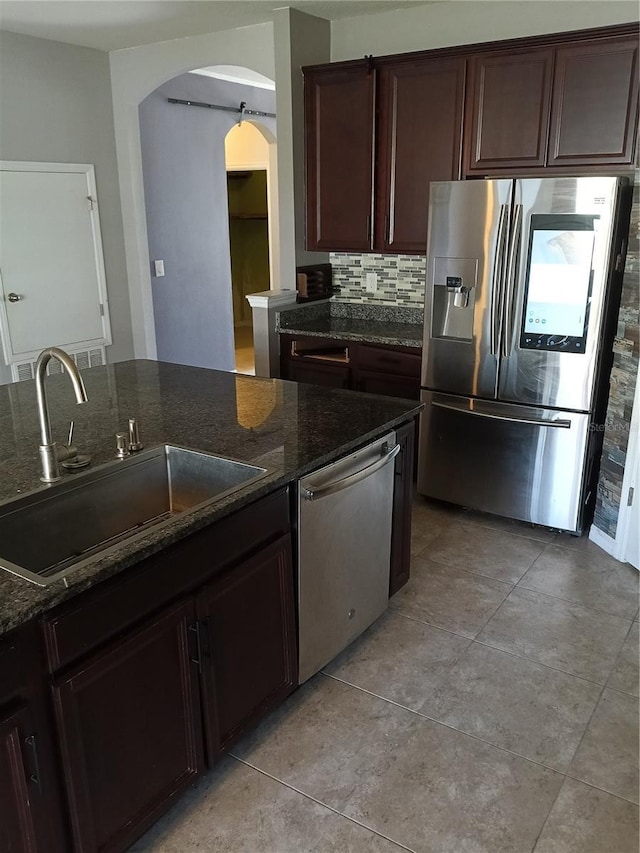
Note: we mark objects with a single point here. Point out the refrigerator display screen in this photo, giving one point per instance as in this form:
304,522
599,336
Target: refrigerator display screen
559,276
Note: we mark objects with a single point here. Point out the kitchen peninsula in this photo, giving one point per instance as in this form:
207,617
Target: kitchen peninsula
144,665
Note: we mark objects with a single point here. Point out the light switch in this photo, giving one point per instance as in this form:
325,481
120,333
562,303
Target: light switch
159,268
371,282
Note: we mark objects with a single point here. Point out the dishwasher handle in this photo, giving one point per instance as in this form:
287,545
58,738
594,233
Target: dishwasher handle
312,493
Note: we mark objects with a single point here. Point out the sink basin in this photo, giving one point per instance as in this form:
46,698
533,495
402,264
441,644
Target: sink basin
49,533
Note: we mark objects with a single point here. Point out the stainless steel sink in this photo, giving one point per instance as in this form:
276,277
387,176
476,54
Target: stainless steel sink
48,533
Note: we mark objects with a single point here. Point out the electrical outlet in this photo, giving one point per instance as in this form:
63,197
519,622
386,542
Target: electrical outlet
158,267
371,282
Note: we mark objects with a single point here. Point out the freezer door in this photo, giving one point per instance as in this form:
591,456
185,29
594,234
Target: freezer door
516,461
466,251
558,266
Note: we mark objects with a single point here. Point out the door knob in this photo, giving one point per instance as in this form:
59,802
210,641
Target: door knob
14,297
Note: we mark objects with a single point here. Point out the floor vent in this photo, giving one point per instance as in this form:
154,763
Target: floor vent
83,358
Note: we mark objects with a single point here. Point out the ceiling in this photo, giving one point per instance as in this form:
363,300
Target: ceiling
116,24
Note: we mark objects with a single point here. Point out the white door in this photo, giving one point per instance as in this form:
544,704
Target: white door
52,284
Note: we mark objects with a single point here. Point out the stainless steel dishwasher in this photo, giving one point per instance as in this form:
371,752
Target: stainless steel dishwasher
344,549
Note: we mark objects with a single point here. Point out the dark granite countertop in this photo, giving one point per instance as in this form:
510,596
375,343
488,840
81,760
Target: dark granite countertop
286,427
382,324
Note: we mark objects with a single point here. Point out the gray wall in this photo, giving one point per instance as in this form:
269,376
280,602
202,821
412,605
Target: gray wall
185,190
55,104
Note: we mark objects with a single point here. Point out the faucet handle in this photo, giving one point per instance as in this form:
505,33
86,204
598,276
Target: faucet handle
121,445
70,439
134,436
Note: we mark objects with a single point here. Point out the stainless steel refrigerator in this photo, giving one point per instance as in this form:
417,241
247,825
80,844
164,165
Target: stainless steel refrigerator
522,291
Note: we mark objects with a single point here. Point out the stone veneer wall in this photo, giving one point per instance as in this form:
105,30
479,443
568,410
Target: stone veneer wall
401,278
626,350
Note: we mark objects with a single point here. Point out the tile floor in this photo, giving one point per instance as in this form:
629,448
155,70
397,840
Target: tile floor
492,709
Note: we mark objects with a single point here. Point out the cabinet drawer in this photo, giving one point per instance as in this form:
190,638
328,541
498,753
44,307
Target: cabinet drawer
79,626
384,360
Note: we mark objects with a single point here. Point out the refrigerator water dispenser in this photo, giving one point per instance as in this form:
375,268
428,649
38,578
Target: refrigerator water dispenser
454,281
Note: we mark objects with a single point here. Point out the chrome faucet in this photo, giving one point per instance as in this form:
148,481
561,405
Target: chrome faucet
50,453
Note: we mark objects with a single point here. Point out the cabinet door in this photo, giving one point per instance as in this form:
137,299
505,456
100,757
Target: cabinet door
419,141
129,725
508,108
339,135
594,114
402,507
250,658
386,383
17,818
329,375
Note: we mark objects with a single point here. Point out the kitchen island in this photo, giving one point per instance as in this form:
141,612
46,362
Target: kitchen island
120,685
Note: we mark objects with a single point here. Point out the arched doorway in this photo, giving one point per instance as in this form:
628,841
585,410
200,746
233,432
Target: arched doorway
183,127
247,155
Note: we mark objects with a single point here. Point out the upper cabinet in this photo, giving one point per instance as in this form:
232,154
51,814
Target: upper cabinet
595,104
339,134
508,110
570,106
378,131
419,139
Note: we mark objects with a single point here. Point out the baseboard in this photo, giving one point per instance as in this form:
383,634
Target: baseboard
604,541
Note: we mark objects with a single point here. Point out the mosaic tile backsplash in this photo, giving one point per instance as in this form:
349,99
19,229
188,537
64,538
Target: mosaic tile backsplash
626,354
401,278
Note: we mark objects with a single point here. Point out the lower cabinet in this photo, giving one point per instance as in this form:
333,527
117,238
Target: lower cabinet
249,648
402,505
157,670
374,368
18,821
318,373
130,731
31,811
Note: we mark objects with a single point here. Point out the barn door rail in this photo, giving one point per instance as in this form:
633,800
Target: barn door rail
241,110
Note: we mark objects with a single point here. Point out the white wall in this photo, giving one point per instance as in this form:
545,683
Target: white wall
55,104
469,22
135,73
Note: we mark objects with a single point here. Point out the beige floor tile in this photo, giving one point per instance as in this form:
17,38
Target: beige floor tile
448,598
532,710
236,809
625,674
440,791
399,659
577,543
595,580
585,820
510,525
326,739
608,755
557,633
484,551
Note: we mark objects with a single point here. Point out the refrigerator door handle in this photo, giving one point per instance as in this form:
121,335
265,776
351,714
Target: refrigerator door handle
498,279
552,422
512,269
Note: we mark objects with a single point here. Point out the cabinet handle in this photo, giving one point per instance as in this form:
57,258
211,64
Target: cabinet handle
197,656
369,236
30,743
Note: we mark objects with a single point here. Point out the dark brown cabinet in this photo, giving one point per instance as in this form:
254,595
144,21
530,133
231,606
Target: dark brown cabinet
508,110
595,104
402,500
526,106
318,373
18,832
572,106
419,141
30,804
197,640
130,731
339,131
374,368
249,643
